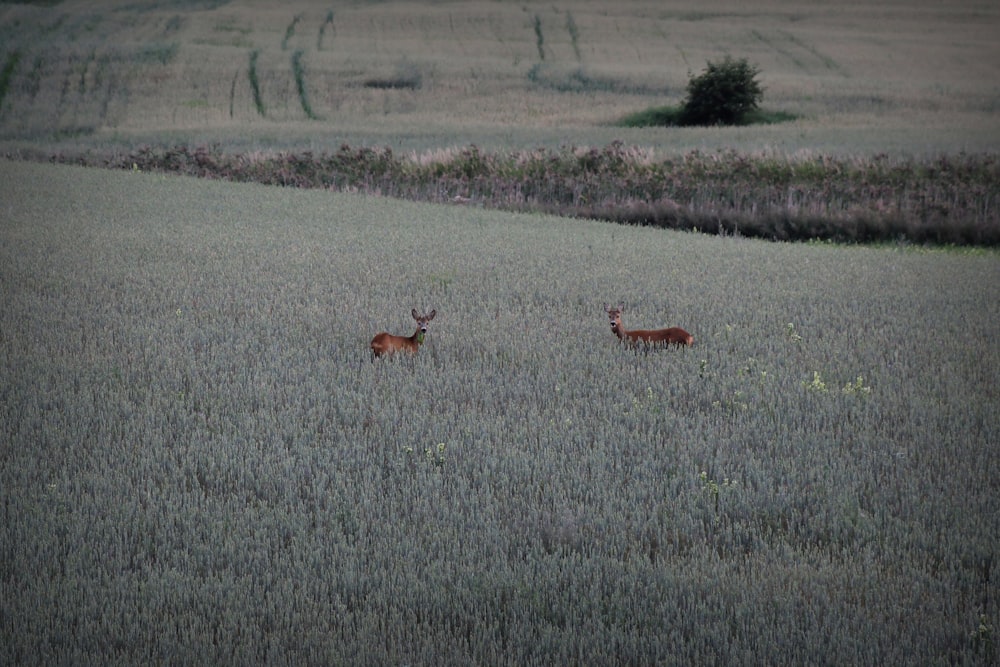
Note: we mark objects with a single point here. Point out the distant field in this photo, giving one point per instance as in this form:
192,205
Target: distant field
917,78
200,464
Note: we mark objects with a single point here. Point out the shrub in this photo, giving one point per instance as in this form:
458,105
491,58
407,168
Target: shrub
723,94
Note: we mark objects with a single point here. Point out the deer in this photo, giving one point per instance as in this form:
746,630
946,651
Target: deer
671,336
387,344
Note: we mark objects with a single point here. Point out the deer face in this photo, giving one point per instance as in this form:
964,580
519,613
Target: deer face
422,320
615,315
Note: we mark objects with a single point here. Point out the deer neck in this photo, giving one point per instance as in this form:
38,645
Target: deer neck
418,337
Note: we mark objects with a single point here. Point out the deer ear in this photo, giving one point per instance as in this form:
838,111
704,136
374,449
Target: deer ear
431,315
414,313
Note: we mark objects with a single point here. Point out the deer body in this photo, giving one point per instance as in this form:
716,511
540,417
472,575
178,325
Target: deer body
388,344
669,336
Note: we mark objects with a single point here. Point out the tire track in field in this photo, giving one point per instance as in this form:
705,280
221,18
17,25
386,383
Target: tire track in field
827,61
327,24
299,73
539,37
804,56
571,29
254,79
297,66
574,35
290,31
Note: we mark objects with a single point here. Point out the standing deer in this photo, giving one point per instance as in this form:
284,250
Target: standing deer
387,344
671,336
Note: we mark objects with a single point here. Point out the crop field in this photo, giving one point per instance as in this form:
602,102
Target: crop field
200,463
899,77
891,128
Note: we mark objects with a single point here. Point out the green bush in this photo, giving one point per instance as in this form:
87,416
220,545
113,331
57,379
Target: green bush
726,93
723,94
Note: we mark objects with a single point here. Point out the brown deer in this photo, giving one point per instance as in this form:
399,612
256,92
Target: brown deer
387,344
672,336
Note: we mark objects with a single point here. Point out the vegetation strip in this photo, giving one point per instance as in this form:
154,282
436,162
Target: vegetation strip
947,200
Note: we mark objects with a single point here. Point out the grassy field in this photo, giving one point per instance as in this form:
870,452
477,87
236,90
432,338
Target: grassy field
200,463
899,77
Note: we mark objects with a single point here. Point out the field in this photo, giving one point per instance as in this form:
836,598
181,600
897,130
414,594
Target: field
916,78
202,464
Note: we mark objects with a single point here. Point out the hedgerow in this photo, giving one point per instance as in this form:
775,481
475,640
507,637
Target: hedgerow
944,200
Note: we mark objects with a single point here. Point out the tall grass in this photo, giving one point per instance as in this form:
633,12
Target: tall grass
202,464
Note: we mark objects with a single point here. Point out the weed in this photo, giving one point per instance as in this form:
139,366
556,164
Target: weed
817,384
435,455
857,388
714,489
983,641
